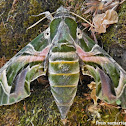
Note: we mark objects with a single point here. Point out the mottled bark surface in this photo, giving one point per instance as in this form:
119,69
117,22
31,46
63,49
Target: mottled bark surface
40,109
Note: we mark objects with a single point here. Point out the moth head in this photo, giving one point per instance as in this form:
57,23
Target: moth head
62,10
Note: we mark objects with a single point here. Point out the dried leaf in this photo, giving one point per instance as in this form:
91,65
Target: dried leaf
92,6
101,21
100,5
110,17
97,21
92,86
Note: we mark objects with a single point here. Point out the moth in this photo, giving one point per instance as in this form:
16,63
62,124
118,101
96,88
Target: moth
61,52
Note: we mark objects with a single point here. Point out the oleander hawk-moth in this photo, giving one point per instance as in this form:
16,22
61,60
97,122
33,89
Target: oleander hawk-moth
61,51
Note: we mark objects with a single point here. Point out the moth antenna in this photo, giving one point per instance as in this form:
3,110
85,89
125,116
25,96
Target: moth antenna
48,15
47,12
36,23
82,19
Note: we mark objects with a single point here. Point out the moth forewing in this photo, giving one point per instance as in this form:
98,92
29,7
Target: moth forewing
24,67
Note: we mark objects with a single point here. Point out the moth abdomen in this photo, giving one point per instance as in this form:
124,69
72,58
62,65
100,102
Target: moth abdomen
63,79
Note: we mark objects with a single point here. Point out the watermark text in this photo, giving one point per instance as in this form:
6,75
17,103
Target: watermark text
110,123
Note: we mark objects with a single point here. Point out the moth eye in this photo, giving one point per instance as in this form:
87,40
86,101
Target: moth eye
79,33
47,34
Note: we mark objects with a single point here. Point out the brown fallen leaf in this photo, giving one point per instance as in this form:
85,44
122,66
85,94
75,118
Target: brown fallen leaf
101,21
97,21
110,17
92,86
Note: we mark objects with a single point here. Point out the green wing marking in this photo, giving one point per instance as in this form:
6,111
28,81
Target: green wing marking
108,75
23,68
